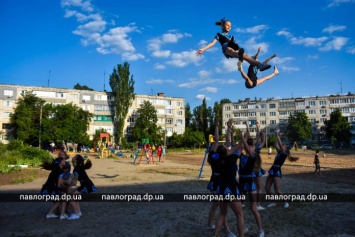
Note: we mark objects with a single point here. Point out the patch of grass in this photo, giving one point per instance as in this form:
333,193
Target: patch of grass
22,180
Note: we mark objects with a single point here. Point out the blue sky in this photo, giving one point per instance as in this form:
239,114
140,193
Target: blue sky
81,41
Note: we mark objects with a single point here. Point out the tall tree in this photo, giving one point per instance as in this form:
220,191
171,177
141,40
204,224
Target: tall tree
146,124
188,115
203,117
122,85
299,127
26,118
337,127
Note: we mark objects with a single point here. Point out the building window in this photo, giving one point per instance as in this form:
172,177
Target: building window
6,126
179,112
323,111
272,113
7,103
262,114
312,111
312,103
272,106
322,102
272,121
227,108
6,114
227,116
8,93
179,121
86,98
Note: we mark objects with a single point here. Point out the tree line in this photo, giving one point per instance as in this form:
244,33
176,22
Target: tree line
35,122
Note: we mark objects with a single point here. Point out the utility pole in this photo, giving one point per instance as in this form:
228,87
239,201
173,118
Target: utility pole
49,77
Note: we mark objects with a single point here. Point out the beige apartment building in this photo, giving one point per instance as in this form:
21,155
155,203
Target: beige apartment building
170,110
272,114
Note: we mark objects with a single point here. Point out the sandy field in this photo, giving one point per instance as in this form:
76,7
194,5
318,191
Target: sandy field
179,175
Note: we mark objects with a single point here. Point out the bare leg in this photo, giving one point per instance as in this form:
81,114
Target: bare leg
222,216
259,184
212,213
238,212
253,205
247,79
246,57
268,59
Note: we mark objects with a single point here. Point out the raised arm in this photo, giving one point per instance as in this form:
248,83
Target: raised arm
245,144
279,143
258,135
257,54
216,136
228,133
247,133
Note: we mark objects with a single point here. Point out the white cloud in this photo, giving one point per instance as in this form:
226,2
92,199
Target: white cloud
336,3
284,33
253,30
336,44
183,59
333,28
159,66
312,57
351,50
204,73
209,89
84,5
159,81
201,97
155,44
199,82
308,41
290,69
92,30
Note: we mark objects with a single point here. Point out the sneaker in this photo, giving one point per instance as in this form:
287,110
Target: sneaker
73,217
64,216
286,205
80,214
264,66
51,216
239,64
260,208
261,233
240,54
230,234
211,227
276,71
271,204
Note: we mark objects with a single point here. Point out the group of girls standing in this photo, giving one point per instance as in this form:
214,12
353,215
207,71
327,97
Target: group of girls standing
223,160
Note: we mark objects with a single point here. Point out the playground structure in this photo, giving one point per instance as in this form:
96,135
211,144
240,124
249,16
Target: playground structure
146,151
102,142
210,140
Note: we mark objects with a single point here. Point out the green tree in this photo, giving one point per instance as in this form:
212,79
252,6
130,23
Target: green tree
299,127
202,118
146,124
25,120
82,87
122,85
193,138
188,115
337,127
66,122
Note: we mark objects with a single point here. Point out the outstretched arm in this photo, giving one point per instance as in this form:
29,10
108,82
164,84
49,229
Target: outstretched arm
216,136
247,133
257,54
201,50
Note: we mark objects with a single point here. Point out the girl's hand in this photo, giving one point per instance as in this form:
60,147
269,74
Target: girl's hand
199,52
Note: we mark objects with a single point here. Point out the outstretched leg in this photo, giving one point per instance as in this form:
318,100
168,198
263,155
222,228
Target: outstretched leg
261,80
234,54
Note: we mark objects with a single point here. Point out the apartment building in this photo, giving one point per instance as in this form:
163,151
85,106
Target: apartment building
272,114
170,110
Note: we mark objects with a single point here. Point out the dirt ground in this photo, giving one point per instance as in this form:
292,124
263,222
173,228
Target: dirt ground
179,175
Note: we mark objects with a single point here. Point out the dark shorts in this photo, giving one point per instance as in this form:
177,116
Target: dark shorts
247,184
260,172
213,184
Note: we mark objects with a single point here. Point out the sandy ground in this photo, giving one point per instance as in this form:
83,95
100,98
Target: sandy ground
179,174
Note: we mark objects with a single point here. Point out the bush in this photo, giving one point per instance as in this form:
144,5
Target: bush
17,154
